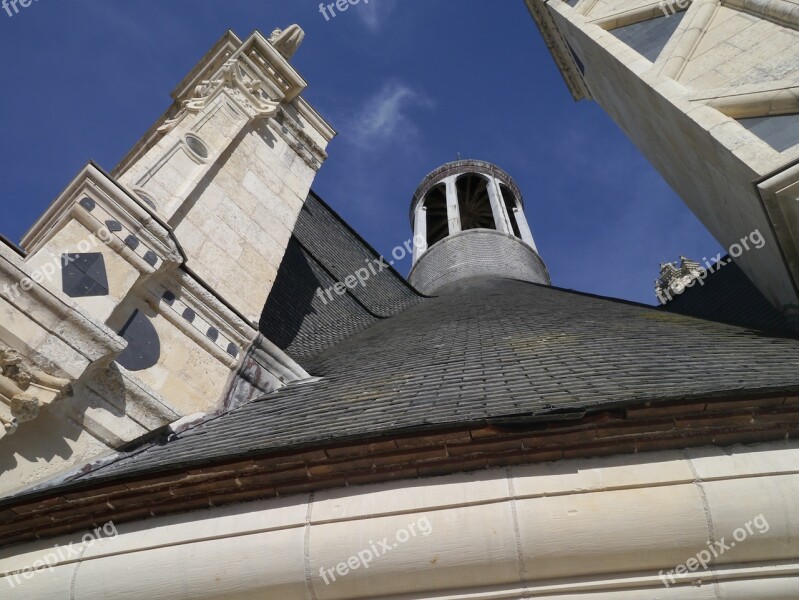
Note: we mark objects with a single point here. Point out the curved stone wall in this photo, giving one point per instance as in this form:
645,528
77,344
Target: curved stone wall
611,528
473,253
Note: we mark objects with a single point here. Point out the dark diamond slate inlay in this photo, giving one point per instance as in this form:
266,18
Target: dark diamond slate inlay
213,334
132,242
84,275
113,226
88,204
232,350
169,297
150,258
189,315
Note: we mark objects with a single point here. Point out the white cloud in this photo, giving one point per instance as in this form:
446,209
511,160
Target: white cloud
375,13
383,118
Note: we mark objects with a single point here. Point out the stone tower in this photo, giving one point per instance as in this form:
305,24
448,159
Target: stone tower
135,299
468,220
708,92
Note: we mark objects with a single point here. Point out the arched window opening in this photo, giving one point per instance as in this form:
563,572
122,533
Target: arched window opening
474,203
437,221
511,206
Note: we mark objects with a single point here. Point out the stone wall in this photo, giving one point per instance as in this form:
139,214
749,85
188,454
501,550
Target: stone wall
681,108
474,253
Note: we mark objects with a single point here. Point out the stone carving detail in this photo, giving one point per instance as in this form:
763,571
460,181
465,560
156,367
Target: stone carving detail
287,42
674,278
24,389
247,94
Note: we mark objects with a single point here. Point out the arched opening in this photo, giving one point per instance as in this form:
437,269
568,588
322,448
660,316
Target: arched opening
511,206
474,203
436,209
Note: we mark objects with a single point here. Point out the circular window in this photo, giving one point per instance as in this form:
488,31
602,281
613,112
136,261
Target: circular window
196,146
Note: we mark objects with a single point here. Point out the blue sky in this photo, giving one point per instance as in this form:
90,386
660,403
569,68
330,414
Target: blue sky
408,84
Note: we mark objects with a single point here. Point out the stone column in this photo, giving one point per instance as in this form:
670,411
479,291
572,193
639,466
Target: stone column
453,209
498,207
420,232
524,228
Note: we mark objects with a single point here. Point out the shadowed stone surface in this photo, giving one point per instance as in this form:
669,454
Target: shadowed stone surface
778,131
648,38
144,347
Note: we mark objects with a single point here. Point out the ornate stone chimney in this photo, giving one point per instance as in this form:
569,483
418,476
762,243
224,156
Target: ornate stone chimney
468,220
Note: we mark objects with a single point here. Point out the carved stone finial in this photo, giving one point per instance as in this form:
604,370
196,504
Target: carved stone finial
287,41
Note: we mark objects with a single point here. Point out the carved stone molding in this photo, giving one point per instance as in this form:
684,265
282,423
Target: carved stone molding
24,389
246,92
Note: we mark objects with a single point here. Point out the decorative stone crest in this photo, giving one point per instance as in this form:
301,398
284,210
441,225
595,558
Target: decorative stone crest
24,389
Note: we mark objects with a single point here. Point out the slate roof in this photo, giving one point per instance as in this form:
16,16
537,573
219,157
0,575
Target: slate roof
485,350
729,297
324,250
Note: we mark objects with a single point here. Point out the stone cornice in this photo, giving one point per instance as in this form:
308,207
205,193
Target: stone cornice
179,291
221,51
113,202
315,119
306,148
557,47
781,12
754,100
